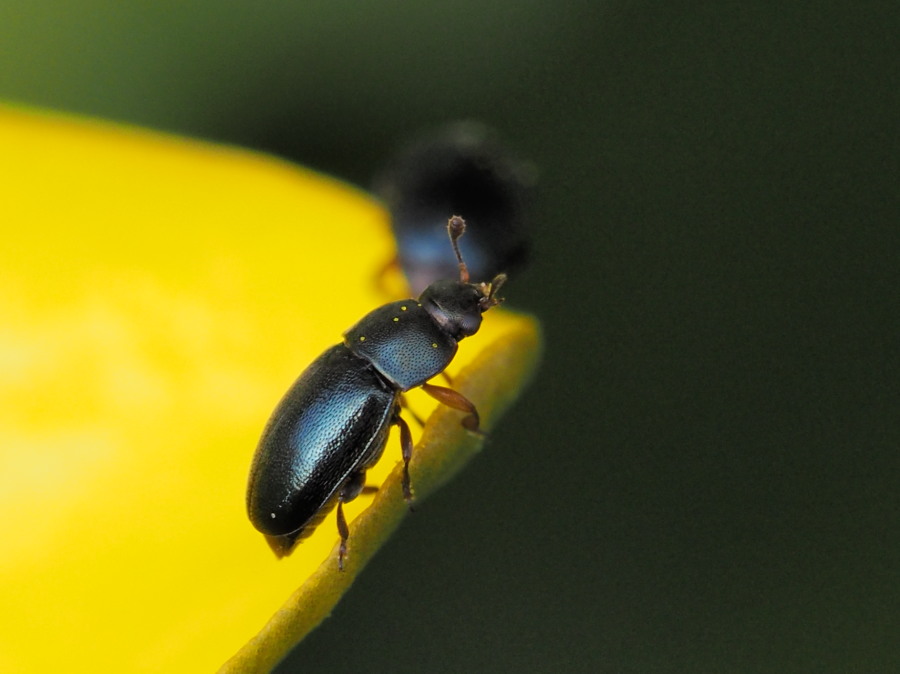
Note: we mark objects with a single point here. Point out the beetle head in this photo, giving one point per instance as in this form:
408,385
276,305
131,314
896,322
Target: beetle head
457,305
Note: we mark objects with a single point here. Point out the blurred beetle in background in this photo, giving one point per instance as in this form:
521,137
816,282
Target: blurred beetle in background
459,168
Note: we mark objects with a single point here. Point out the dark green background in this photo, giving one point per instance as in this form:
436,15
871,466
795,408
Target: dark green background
704,475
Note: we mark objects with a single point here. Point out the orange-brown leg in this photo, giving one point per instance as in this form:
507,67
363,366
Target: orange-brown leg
457,401
406,445
352,488
344,531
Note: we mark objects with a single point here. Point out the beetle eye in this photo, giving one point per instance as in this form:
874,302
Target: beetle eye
469,324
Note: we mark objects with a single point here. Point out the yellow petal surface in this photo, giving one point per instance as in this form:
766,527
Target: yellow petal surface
157,297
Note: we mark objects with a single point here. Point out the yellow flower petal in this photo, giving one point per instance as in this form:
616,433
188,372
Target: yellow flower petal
157,297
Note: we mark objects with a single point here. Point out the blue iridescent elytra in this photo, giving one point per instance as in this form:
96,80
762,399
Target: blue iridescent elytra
302,458
333,423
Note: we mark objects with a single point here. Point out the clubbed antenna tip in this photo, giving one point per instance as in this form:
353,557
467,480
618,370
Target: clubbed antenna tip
456,227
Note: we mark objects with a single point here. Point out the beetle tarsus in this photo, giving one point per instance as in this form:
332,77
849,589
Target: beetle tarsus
472,423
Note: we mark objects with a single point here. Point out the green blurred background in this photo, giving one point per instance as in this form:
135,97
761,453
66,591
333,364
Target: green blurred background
704,475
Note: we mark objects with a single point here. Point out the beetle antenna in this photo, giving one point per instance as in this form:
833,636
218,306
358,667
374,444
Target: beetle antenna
491,299
456,227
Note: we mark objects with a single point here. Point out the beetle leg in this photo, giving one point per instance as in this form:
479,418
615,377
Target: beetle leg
351,489
406,445
457,401
344,531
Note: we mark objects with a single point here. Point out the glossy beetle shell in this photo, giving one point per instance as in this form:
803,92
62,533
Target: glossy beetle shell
403,342
332,423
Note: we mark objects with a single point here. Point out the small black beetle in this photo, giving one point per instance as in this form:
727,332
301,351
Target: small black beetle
332,424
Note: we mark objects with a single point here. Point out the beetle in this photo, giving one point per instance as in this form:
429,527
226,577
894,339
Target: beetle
462,167
333,423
